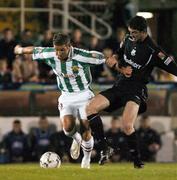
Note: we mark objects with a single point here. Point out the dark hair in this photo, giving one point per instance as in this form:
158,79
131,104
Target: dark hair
6,30
144,117
115,118
61,39
43,117
139,23
16,121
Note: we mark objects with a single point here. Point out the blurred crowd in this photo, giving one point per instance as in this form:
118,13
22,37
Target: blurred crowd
21,69
17,147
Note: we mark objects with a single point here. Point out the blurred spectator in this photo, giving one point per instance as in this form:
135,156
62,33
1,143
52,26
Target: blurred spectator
40,138
164,76
77,39
95,44
7,45
47,40
4,156
29,69
96,71
114,43
117,140
107,76
61,144
26,38
149,139
45,73
175,145
16,143
5,74
17,76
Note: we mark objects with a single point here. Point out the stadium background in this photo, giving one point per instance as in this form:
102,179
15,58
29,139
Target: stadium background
26,98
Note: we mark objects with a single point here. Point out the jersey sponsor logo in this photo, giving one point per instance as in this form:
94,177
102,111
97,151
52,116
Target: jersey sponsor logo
68,75
133,64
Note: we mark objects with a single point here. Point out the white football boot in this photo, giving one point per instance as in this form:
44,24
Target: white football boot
75,149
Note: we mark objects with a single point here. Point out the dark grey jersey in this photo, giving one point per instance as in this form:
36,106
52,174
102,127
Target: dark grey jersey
143,57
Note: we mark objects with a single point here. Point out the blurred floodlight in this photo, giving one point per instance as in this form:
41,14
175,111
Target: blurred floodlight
146,15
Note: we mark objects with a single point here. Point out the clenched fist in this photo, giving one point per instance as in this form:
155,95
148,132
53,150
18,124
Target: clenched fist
18,50
111,61
127,71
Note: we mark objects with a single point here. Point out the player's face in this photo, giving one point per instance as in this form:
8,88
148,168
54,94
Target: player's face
62,51
17,127
135,34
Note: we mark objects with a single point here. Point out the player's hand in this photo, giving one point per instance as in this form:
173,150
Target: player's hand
18,50
111,61
127,71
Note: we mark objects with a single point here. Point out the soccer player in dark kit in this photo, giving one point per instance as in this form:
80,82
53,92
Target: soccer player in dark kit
129,91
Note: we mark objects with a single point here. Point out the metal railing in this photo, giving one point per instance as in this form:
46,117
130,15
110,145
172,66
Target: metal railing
104,31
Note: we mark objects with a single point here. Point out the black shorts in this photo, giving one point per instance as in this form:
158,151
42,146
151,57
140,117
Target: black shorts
118,97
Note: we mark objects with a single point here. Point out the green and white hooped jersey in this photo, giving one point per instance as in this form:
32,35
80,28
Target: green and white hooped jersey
74,74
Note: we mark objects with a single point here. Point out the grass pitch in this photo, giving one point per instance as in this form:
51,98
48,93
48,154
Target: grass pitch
119,171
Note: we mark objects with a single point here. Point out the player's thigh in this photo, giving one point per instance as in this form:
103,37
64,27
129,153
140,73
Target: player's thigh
97,103
130,113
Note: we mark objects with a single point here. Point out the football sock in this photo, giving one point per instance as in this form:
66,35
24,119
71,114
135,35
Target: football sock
74,134
77,136
96,126
133,145
87,147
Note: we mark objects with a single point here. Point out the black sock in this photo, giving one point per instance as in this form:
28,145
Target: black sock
133,145
96,126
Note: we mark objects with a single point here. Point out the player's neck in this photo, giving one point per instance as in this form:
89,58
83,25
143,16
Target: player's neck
144,36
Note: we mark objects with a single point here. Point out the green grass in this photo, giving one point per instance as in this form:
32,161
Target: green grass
121,171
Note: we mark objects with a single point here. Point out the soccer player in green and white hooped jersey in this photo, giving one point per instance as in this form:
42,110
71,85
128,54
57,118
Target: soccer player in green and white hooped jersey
72,68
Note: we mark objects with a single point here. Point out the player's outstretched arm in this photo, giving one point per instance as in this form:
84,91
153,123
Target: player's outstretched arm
23,50
112,62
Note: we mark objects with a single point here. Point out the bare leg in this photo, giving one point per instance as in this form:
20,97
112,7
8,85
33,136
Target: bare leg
97,104
129,116
69,129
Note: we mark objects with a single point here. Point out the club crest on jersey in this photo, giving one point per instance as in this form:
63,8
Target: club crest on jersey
75,69
133,52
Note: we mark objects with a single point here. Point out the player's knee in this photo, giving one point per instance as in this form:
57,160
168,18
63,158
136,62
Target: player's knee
69,131
68,124
67,127
128,128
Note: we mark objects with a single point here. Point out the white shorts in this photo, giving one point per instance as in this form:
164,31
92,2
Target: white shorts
74,103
